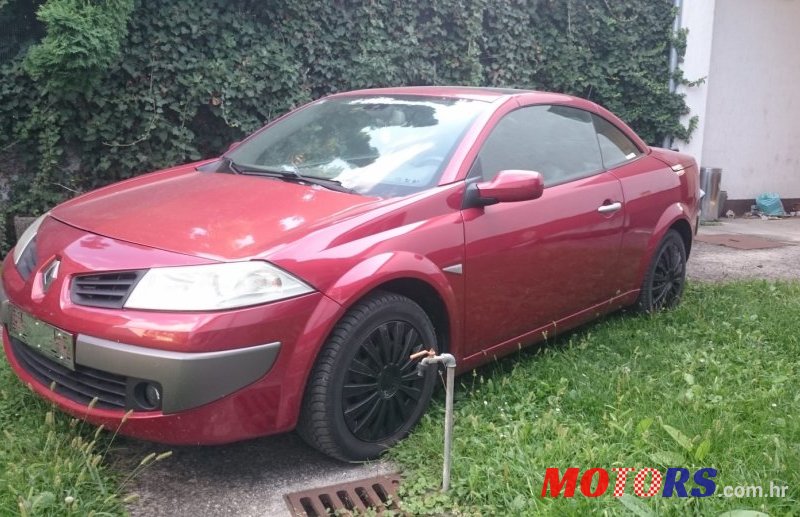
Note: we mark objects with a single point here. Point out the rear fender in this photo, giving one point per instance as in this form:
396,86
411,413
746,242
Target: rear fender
674,213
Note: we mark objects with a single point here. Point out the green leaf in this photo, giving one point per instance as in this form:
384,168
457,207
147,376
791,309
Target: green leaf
42,501
636,506
702,450
680,438
667,458
643,425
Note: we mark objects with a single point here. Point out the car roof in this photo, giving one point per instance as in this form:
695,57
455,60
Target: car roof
460,92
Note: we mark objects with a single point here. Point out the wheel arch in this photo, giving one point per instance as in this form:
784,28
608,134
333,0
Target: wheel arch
426,296
321,419
407,274
410,275
683,228
674,218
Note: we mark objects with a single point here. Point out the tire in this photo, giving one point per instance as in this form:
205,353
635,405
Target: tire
364,394
666,277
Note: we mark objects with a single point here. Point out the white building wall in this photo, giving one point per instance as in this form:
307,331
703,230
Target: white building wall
752,111
698,17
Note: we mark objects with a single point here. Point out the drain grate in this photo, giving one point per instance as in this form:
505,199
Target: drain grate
376,493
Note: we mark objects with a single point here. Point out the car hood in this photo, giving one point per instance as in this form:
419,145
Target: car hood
205,214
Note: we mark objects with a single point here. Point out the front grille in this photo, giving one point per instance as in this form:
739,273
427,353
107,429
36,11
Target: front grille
27,262
107,290
81,385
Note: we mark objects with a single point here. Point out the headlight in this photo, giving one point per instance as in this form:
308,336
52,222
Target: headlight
27,237
213,287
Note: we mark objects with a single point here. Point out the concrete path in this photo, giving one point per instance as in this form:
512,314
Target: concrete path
713,263
241,479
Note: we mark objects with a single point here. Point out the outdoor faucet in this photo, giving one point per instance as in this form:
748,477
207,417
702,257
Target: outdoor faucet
429,358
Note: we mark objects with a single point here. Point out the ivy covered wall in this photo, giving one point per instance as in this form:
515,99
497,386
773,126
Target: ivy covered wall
93,92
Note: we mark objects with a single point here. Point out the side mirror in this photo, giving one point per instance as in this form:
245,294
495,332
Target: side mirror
507,187
233,146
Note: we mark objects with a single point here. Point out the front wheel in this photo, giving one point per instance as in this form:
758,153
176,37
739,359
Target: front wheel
665,278
364,394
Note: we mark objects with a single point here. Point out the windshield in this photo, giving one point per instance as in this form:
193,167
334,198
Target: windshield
376,145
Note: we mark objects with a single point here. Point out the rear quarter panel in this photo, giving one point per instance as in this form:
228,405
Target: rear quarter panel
656,196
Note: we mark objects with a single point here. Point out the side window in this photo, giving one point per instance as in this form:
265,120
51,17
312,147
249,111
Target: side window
557,141
615,147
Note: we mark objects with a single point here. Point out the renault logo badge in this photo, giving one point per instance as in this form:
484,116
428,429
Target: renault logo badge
50,274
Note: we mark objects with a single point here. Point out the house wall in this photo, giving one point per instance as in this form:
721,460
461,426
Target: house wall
698,17
751,105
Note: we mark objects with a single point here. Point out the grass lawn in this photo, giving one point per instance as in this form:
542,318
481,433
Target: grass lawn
51,464
715,383
712,384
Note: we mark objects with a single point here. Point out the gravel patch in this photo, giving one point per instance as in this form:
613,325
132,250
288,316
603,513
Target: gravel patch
711,263
240,479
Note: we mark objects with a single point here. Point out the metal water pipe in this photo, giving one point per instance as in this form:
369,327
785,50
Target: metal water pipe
430,358
673,56
673,52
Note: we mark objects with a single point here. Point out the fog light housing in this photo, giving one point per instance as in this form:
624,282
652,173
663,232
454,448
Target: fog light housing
148,395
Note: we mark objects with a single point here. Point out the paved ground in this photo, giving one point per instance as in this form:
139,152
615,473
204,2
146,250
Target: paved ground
250,478
714,263
241,479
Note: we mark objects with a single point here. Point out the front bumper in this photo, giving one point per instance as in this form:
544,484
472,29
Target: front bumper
267,405
184,380
187,380
117,375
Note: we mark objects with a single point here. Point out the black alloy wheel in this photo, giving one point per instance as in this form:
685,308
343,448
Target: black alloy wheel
382,388
665,279
364,393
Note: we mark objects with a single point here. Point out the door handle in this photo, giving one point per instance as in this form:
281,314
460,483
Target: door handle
610,208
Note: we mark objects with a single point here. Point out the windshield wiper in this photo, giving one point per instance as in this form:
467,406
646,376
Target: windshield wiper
289,175
263,170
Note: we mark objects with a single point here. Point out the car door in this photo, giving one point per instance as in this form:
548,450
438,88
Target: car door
649,185
531,263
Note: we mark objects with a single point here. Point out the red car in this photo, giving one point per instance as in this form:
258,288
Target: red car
285,284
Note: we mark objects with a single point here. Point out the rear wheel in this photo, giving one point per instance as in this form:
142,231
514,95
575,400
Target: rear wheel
665,279
364,394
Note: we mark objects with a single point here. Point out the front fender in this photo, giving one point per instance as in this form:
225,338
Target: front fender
351,287
379,269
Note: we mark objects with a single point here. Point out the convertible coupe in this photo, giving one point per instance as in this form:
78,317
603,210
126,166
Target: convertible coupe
286,283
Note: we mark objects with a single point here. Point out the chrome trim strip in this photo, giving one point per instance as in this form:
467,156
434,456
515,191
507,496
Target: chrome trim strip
456,269
187,380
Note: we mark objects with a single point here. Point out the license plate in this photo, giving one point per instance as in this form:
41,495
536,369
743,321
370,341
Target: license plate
52,342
